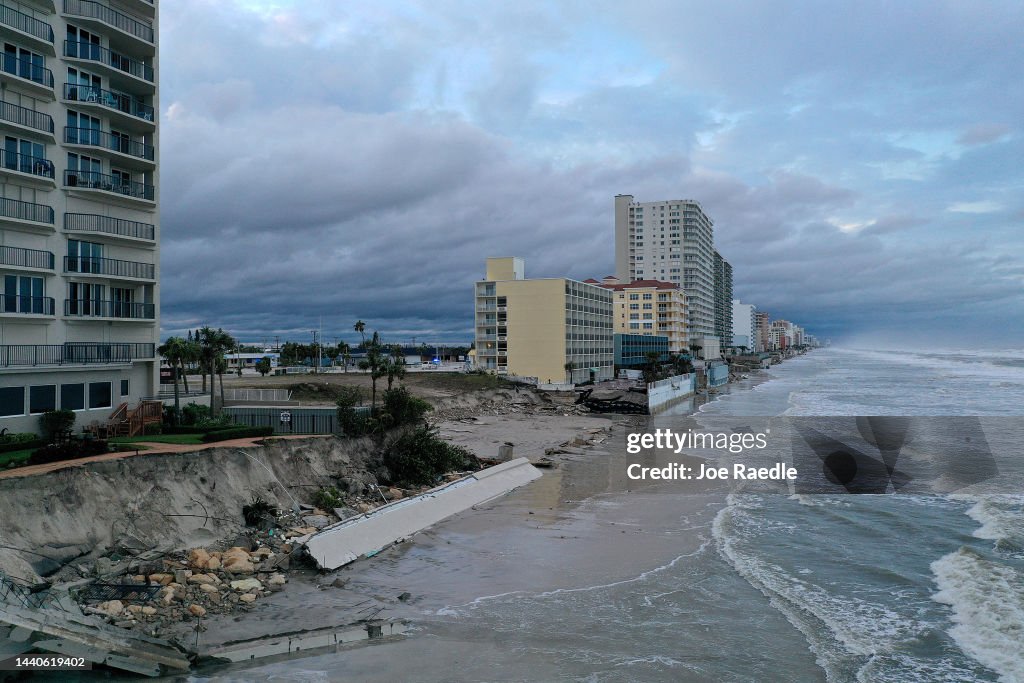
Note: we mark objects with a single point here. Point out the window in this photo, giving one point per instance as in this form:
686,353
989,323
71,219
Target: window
25,63
12,401
85,299
647,296
24,294
26,156
124,387
83,129
42,398
99,394
84,257
634,297
72,396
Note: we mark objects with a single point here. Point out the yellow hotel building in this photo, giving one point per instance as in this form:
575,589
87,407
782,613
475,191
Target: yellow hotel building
534,328
650,307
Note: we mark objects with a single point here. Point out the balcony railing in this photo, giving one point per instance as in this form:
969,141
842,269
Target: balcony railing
25,23
90,94
97,308
95,265
90,222
95,53
28,69
108,183
24,163
115,143
75,353
26,211
122,22
26,258
15,303
24,116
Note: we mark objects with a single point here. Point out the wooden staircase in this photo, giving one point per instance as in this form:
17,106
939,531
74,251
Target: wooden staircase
132,422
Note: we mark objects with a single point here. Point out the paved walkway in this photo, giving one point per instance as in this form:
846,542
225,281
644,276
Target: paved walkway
152,448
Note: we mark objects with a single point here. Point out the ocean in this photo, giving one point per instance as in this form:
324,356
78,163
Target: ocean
588,576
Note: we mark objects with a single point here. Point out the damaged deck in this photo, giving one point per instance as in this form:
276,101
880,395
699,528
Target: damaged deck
367,534
72,635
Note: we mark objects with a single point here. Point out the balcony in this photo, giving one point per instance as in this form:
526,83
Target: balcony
109,267
26,214
96,308
74,353
26,305
108,184
22,71
90,137
34,259
26,167
128,110
27,25
111,227
131,28
23,117
123,71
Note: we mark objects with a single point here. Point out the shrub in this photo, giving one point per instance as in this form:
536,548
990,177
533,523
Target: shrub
353,423
258,512
193,412
236,433
193,429
419,457
21,445
152,429
54,422
403,407
16,437
328,498
68,451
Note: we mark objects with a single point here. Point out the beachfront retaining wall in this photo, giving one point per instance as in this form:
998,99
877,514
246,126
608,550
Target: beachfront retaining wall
667,392
718,375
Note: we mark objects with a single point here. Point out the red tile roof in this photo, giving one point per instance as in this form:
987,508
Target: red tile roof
639,284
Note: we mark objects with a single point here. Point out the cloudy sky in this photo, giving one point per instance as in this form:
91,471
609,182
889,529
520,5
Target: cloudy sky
360,160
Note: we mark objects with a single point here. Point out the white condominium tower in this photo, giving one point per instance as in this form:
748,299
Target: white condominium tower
672,241
79,193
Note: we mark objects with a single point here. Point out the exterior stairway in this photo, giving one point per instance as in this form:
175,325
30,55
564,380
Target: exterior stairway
125,421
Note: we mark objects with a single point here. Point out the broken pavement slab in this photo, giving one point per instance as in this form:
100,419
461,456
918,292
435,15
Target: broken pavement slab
367,534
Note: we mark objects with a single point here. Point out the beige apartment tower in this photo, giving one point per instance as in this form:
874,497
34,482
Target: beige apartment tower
671,241
79,217
535,328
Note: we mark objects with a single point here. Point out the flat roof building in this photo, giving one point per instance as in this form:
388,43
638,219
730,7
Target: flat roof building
550,329
650,307
79,208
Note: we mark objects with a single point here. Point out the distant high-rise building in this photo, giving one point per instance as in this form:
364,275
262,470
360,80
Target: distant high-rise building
762,324
744,327
722,298
670,241
79,214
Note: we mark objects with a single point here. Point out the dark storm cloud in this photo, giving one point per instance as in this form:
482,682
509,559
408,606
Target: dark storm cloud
338,162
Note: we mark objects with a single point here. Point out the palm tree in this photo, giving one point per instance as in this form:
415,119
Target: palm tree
360,327
345,352
569,367
377,363
396,365
174,350
213,344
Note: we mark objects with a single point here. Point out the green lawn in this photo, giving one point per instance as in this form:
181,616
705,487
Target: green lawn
161,438
16,457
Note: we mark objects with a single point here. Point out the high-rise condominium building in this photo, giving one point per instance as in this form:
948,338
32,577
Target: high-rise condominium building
723,299
762,326
551,329
79,235
672,241
744,325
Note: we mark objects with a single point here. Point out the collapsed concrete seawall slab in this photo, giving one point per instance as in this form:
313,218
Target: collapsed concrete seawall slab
367,534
